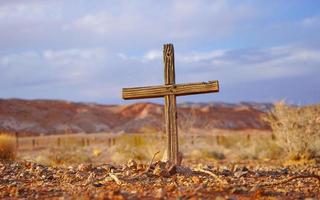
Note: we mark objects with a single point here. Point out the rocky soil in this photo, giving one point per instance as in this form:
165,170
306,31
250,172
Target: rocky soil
26,180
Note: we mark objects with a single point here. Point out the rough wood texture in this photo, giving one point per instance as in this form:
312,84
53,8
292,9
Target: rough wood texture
169,91
170,106
163,90
170,109
168,60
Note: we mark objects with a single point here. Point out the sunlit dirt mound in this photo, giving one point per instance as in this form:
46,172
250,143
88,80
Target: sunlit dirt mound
52,116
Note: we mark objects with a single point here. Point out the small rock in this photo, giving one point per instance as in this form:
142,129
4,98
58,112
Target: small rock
219,198
226,172
245,169
183,170
239,174
159,170
140,167
84,167
284,170
196,180
239,190
97,184
108,167
132,164
160,193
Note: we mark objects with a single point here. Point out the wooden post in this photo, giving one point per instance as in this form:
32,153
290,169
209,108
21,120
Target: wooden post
109,142
88,142
17,140
83,142
170,106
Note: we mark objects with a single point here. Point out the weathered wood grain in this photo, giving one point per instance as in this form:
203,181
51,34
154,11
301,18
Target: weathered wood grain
168,60
171,128
170,106
176,89
169,91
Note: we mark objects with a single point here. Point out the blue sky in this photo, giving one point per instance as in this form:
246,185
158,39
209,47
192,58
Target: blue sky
82,50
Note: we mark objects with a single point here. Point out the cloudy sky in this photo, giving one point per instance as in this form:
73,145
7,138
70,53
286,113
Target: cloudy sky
82,50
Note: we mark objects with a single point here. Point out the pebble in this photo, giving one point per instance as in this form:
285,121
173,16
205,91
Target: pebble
132,164
160,193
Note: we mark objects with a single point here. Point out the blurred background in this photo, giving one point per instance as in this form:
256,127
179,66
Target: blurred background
78,50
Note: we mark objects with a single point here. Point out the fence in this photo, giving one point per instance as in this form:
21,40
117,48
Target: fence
109,139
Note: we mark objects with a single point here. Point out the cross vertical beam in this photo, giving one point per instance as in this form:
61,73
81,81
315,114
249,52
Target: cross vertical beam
169,91
170,106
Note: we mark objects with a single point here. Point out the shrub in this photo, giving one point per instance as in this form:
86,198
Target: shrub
297,129
7,147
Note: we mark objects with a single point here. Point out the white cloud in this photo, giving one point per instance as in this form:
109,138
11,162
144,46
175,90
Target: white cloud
29,10
311,22
153,55
168,21
240,65
202,56
63,66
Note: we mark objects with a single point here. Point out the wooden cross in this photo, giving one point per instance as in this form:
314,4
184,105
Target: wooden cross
169,91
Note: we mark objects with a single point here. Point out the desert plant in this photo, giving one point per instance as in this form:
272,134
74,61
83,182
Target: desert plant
7,147
297,129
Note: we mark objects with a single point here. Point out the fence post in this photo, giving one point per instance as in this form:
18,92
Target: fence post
17,140
218,139
83,142
88,142
109,142
248,137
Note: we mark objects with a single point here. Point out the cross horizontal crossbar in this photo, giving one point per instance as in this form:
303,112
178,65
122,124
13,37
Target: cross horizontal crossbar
174,89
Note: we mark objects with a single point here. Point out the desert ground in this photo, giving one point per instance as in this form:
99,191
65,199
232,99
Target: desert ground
282,162
220,165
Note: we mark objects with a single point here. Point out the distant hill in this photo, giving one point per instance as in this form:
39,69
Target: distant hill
56,117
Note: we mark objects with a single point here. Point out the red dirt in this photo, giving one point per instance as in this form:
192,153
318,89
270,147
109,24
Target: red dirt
158,181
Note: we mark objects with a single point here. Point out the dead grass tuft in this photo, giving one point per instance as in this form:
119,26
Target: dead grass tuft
7,147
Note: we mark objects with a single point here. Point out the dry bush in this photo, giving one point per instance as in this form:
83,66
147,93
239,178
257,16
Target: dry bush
297,130
7,147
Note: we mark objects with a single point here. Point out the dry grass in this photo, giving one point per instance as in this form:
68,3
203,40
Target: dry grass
297,130
216,145
137,147
234,146
7,147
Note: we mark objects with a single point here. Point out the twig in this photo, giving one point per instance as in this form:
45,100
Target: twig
144,172
211,174
152,160
115,178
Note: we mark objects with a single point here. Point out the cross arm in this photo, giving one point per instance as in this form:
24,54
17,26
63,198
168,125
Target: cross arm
175,89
